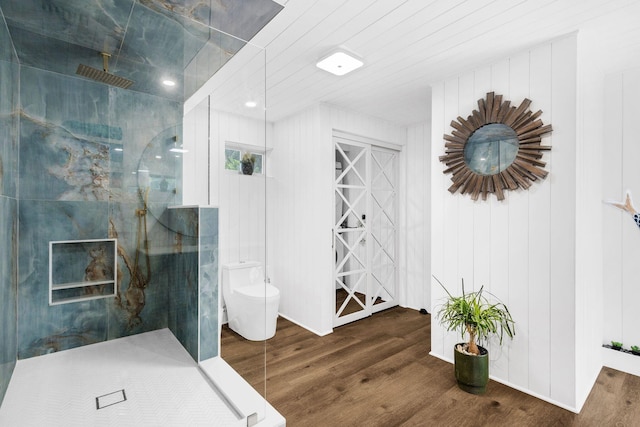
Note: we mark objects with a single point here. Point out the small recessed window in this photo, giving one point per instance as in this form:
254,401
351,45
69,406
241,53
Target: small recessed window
257,166
233,158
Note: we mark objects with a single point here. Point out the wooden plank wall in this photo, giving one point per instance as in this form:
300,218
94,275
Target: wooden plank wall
621,237
521,249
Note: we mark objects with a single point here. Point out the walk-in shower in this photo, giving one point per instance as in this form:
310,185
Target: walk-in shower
77,150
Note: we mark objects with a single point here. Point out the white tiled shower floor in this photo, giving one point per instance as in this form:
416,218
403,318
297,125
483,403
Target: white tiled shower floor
162,385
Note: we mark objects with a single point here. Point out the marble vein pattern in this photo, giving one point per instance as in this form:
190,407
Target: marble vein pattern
9,134
148,40
86,142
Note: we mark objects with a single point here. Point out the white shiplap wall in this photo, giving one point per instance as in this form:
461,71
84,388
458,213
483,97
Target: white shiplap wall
195,162
621,269
416,205
523,248
241,198
300,207
298,210
589,208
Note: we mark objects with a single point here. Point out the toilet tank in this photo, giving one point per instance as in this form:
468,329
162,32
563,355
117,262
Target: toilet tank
243,273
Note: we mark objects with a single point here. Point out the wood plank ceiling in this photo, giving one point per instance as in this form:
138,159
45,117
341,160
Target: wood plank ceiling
406,45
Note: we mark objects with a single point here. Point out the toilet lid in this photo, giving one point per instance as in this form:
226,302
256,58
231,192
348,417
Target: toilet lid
259,291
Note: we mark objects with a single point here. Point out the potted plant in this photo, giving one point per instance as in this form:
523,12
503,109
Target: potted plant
247,163
616,345
635,350
472,313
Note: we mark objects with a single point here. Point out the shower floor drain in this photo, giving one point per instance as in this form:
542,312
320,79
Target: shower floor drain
110,399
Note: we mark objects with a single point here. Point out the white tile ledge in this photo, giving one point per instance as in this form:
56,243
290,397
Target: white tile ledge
239,393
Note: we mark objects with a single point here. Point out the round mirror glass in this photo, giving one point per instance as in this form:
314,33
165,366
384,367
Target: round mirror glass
491,149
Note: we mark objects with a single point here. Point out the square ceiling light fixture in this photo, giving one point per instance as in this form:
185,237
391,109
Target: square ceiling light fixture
340,62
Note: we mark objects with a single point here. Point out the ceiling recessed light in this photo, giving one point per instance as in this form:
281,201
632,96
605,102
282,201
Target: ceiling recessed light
117,149
340,62
251,104
169,83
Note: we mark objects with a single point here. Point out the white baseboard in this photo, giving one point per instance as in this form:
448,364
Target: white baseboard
321,334
516,387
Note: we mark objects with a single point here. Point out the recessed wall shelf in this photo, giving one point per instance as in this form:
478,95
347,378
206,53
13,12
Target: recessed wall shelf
81,270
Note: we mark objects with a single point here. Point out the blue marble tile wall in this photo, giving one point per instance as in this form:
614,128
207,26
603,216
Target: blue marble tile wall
183,304
208,263
9,135
194,295
90,168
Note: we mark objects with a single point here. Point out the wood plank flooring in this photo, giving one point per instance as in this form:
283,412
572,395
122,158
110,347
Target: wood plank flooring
377,372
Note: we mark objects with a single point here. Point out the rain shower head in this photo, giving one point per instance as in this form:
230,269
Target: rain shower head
103,76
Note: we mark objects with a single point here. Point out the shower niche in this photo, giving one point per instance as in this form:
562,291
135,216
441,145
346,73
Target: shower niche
81,270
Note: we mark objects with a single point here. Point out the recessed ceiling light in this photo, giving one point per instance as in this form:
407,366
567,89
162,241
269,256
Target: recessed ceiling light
340,63
251,104
169,83
117,149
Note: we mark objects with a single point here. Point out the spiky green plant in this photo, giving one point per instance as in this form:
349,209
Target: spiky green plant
248,157
472,313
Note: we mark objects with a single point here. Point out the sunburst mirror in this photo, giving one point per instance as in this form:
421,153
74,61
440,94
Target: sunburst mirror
497,148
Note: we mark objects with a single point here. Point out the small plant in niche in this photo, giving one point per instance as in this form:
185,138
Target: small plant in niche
635,349
247,163
616,345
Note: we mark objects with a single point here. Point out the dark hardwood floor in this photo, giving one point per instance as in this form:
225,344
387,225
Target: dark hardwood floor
377,372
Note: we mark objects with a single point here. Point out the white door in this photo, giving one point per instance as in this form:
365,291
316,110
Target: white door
364,233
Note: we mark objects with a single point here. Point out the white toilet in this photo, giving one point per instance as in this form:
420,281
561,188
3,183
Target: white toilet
252,304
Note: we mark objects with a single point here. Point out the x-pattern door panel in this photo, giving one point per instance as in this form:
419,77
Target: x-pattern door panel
351,193
382,229
365,230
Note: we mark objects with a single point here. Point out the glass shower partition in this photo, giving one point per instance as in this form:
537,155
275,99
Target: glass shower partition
224,121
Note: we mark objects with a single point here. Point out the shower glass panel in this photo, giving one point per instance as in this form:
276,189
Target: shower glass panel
229,111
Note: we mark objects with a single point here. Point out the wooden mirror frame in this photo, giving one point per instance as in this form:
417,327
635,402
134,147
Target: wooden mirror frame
527,166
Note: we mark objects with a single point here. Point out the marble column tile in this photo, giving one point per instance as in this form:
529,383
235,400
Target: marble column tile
9,128
183,289
8,289
209,289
